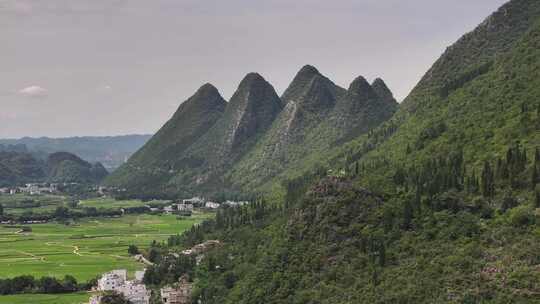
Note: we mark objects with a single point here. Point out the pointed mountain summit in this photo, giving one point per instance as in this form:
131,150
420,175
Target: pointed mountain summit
382,90
249,114
307,100
361,109
192,120
251,110
317,114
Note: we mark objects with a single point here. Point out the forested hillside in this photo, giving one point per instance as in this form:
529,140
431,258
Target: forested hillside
111,151
439,204
17,168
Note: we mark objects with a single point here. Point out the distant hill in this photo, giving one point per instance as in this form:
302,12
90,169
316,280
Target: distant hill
64,167
61,167
111,151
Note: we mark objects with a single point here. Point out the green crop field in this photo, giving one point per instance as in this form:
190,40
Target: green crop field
109,203
90,247
71,298
20,203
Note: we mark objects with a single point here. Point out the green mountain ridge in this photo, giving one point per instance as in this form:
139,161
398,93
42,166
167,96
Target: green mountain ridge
255,138
111,151
439,204
18,168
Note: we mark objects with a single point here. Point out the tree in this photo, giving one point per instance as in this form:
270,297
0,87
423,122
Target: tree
50,285
1,210
153,255
114,298
69,284
534,178
73,202
407,214
537,201
488,183
61,212
508,202
133,250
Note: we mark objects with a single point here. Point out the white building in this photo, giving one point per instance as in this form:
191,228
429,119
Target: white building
184,207
211,205
195,201
116,281
112,280
234,204
139,275
135,292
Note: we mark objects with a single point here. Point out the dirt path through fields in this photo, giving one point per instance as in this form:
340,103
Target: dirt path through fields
32,255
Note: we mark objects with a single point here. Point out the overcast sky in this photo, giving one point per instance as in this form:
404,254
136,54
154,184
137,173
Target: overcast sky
108,67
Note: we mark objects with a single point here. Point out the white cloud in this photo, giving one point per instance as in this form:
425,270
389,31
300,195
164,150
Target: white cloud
33,92
18,6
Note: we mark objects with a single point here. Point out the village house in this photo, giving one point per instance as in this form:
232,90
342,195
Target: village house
184,207
211,205
112,281
200,249
139,275
195,201
235,204
179,293
116,281
135,292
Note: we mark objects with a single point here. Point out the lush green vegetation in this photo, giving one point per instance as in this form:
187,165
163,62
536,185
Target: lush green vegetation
111,151
61,167
440,204
85,249
71,298
20,203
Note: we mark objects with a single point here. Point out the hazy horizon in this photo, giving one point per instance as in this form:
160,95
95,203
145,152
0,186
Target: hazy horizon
103,68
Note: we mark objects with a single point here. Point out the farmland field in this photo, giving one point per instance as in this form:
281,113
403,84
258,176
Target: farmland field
20,203
72,298
90,247
108,203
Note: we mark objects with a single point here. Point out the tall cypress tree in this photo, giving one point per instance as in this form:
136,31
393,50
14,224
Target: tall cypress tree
408,214
488,183
534,178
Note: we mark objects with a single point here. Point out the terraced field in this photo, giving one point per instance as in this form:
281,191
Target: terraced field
85,250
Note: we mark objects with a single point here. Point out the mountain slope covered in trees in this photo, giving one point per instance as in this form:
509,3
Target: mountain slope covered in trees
111,151
18,168
440,204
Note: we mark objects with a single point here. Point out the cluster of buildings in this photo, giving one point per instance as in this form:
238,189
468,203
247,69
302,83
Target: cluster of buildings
136,292
187,205
32,189
116,281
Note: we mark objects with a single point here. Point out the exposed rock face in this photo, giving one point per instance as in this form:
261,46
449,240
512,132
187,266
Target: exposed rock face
252,109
